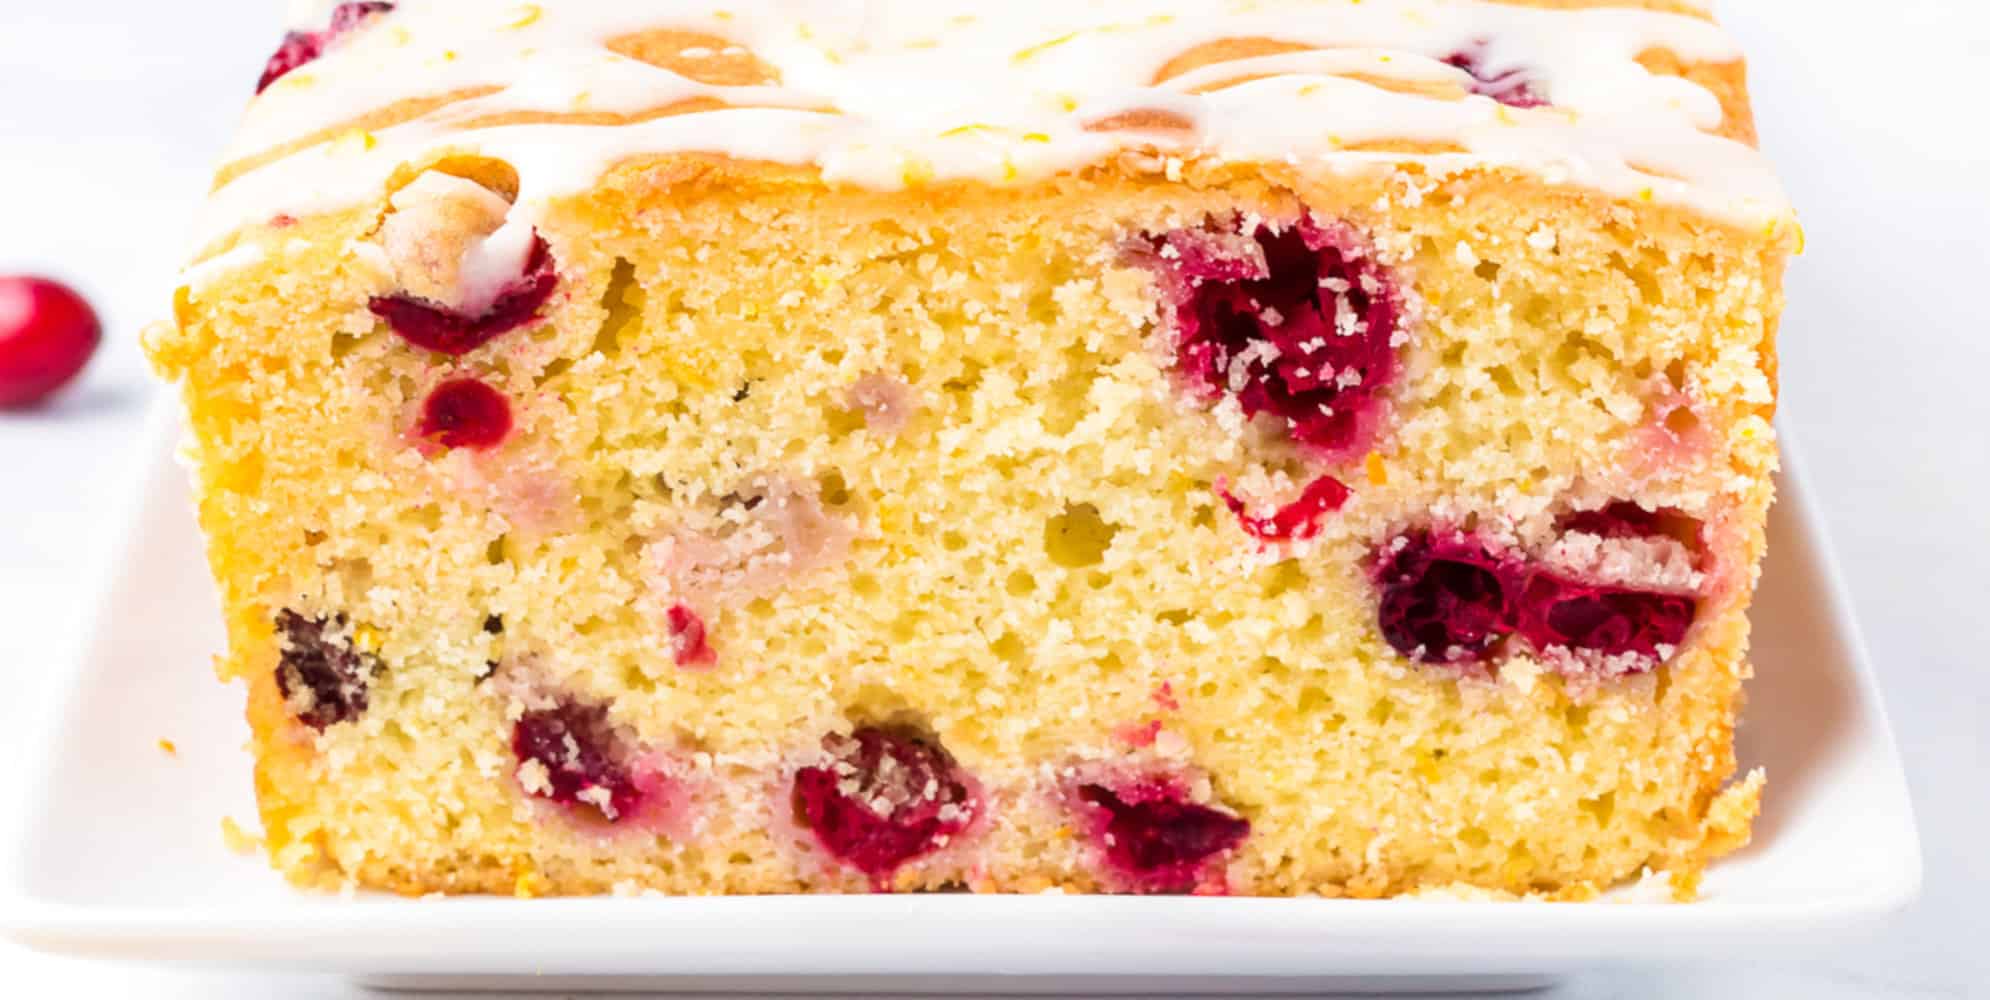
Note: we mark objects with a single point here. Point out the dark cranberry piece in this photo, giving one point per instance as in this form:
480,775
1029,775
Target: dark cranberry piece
320,675
1511,86
1299,322
884,797
47,335
688,645
1158,839
1445,599
302,47
465,413
1560,613
586,763
1296,521
435,327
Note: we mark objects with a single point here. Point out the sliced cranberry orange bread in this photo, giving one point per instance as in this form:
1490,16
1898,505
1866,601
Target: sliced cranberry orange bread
1162,446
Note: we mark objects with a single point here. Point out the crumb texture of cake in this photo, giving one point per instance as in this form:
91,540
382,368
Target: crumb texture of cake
1141,446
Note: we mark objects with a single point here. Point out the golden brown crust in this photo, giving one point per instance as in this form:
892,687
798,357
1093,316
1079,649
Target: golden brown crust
708,59
398,113
714,60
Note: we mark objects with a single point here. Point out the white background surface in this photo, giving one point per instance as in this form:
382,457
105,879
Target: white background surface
113,111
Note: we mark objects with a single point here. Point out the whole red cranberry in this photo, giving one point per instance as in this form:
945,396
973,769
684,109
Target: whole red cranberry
466,413
47,334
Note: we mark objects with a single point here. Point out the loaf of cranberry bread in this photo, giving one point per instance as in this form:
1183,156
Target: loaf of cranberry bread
1297,447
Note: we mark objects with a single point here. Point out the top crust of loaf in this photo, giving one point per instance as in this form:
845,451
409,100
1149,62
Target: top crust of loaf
1652,110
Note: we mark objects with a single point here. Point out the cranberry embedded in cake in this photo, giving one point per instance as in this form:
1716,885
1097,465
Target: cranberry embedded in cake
436,327
1296,521
1559,613
1155,838
883,797
1297,321
322,676
1445,598
571,754
465,413
689,646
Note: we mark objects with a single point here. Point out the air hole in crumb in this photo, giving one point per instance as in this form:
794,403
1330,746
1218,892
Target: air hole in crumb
345,343
865,585
1474,837
842,420
1282,578
834,490
1313,699
953,541
969,379
1069,398
1205,515
1009,648
1576,718
494,552
1601,808
1079,537
1676,373
1487,271
1021,583
1682,421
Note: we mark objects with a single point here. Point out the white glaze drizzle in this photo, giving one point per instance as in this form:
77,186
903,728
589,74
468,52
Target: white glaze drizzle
1002,93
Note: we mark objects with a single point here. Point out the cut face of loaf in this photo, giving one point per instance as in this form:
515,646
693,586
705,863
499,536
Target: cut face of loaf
1172,524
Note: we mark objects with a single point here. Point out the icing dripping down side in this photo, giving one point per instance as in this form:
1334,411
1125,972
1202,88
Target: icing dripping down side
890,93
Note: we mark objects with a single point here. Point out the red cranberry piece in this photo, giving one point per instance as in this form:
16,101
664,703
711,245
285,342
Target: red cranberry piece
1445,599
1557,612
302,47
47,335
585,762
1299,322
435,327
883,797
1511,86
466,413
1296,521
1156,838
322,678
688,644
